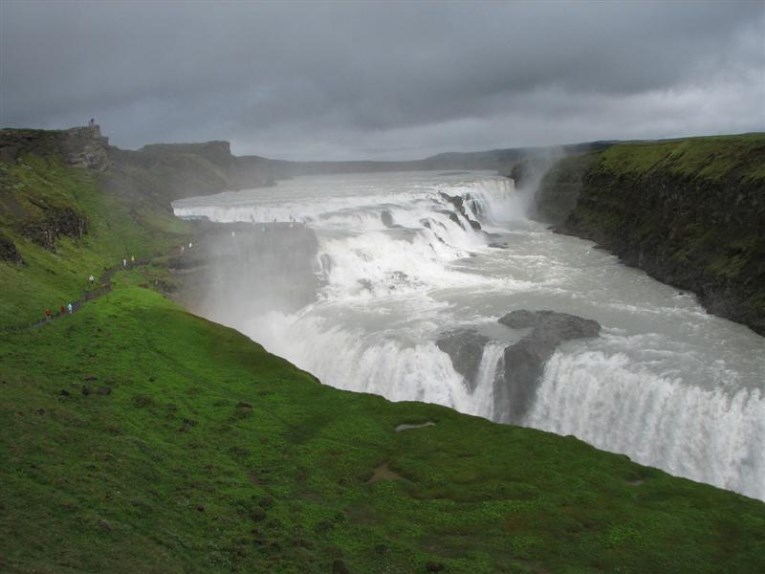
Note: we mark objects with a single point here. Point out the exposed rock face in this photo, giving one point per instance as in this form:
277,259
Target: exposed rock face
57,222
691,213
81,147
516,384
459,206
8,251
560,188
387,218
87,148
465,349
528,170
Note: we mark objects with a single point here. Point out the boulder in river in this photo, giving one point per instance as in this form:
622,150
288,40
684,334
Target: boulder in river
515,385
465,349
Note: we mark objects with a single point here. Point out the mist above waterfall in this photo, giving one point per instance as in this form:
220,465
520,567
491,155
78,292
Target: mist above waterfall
357,278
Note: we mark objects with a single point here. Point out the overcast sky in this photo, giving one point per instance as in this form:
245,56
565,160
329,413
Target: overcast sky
383,80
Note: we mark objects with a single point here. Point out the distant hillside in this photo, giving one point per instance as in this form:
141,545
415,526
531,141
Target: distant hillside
501,160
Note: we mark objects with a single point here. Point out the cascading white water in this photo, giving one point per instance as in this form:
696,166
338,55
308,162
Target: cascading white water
401,265
710,435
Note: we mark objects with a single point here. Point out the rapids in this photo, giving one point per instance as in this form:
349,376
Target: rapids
399,265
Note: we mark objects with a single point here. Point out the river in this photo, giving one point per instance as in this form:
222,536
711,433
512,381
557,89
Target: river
664,383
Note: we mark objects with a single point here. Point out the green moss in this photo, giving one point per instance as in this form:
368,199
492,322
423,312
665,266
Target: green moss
713,158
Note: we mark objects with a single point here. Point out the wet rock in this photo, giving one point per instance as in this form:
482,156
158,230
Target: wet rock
455,218
56,221
516,383
551,325
465,349
459,205
104,391
387,218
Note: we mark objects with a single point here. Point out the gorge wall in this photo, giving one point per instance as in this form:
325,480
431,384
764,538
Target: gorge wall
691,213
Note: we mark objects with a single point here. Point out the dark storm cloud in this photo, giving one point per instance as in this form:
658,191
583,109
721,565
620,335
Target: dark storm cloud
394,79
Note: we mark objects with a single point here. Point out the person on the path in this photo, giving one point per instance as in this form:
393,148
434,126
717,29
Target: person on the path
69,308
124,262
62,310
47,314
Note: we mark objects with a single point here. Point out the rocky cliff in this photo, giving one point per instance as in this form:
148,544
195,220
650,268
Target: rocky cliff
691,213
79,147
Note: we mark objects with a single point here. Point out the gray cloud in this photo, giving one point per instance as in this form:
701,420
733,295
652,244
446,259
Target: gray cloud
383,80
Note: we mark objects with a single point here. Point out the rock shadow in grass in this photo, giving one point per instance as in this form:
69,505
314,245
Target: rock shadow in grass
383,472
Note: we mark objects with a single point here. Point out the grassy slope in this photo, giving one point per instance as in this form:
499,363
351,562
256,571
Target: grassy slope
714,158
210,455
53,278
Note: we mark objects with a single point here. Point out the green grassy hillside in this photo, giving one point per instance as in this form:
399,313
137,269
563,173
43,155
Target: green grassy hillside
34,193
139,438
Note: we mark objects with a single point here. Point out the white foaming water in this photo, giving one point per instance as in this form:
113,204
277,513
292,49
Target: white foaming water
666,384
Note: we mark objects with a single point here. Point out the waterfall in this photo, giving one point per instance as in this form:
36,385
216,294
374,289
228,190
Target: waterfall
714,436
395,262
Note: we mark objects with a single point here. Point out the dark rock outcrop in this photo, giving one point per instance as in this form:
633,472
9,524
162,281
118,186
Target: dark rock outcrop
459,206
8,251
57,222
387,218
523,363
80,147
465,349
85,147
559,189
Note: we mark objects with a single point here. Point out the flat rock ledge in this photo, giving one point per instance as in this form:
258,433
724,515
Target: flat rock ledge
516,384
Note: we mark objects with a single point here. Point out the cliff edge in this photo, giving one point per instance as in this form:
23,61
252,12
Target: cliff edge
691,213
